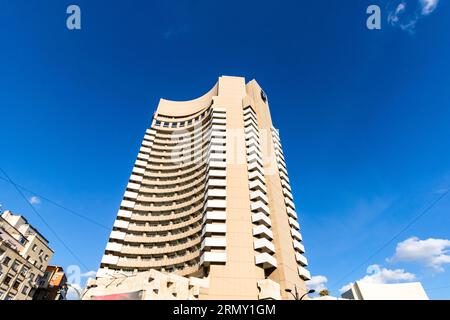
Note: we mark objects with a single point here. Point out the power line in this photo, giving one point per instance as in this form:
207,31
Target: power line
58,205
43,220
425,211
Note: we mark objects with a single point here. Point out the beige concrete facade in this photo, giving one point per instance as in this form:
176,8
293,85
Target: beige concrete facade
209,197
24,257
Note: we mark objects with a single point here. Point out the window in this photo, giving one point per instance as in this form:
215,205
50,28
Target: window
263,96
6,261
46,257
34,247
31,276
15,266
7,280
16,285
24,270
25,290
41,252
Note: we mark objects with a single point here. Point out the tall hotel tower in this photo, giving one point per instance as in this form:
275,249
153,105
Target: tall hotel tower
208,210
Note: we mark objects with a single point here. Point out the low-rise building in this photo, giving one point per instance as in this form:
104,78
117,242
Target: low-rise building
361,290
52,285
24,257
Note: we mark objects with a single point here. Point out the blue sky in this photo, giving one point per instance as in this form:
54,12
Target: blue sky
363,117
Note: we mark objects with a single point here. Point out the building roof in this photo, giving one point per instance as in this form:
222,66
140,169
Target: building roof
361,290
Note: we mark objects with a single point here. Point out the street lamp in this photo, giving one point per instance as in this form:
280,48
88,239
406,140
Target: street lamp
296,295
80,295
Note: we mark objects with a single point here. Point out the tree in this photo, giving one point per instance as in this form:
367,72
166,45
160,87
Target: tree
324,293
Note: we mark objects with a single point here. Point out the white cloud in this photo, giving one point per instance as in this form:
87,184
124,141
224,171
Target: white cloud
431,252
394,16
317,283
428,6
35,200
89,274
405,15
377,274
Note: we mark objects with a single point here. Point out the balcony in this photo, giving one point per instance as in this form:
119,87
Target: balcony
216,183
257,185
114,246
301,259
127,204
289,203
252,142
138,170
217,173
255,158
255,166
265,260
140,163
212,193
303,273
296,235
144,150
110,259
263,245
256,175
130,194
261,218
254,150
217,242
215,215
262,232
133,186
218,204
291,212
118,235
286,185
287,194
217,164
215,228
124,213
250,130
122,224
259,206
299,247
258,195
294,223
142,156
136,178
251,136
213,257
284,176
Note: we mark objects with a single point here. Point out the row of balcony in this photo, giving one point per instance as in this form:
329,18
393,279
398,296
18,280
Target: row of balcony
262,233
302,262
214,230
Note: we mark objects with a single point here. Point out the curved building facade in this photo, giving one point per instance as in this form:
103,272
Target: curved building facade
209,199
